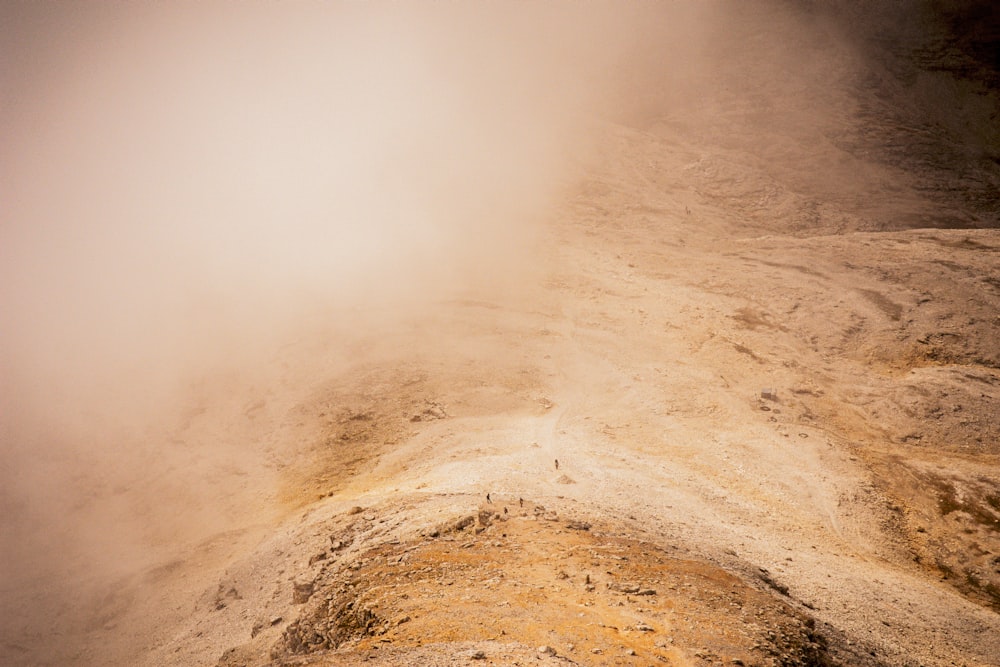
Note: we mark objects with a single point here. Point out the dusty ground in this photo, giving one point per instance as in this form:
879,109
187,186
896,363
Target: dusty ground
746,412
850,515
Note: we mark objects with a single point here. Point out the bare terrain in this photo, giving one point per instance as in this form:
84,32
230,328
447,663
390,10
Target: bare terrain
735,400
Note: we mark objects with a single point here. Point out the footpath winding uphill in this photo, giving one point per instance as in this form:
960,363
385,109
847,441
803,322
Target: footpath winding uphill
742,407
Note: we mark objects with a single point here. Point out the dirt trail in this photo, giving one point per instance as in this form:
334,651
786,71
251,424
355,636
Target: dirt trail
643,375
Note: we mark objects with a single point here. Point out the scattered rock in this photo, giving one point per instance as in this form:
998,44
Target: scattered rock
327,628
318,557
765,576
260,625
546,650
222,597
477,655
356,510
430,413
302,591
624,588
565,479
578,525
463,523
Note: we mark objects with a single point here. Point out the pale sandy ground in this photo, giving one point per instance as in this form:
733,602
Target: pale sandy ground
638,361
679,279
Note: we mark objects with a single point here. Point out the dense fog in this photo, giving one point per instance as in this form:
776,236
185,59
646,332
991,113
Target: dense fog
187,189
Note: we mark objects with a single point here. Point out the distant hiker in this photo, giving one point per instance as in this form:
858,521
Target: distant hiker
504,510
488,498
557,464
521,501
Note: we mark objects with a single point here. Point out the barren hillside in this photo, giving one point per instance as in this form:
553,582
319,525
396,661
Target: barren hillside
713,379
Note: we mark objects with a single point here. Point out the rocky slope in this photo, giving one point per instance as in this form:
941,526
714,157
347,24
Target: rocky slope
738,405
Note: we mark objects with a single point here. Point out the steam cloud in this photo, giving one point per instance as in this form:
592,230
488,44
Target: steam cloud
183,188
